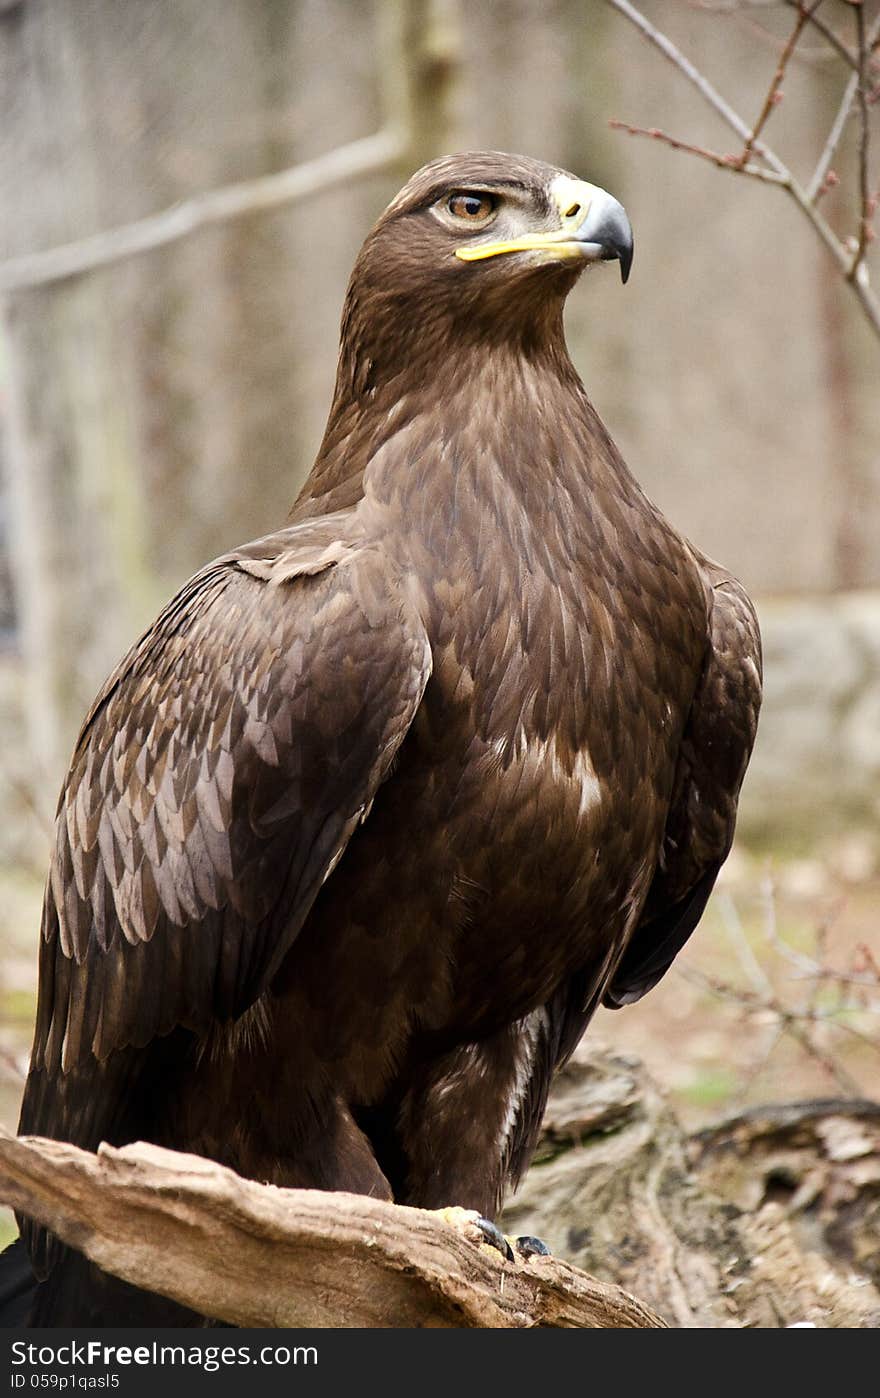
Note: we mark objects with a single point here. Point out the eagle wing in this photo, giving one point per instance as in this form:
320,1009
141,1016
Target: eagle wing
213,788
715,749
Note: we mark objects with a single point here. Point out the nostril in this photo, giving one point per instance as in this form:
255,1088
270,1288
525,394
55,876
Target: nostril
570,212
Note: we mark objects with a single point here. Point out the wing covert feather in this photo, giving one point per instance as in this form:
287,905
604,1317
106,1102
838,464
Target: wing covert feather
214,785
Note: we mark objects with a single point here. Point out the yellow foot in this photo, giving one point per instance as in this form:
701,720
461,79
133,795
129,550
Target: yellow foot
488,1236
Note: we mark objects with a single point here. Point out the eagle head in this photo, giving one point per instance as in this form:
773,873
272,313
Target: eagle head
478,243
487,204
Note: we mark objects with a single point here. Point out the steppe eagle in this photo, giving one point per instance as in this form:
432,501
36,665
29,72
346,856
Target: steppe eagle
383,805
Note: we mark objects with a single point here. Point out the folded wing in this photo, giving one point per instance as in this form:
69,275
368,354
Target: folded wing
715,750
213,788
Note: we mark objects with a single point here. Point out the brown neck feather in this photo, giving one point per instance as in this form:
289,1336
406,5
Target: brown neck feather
445,360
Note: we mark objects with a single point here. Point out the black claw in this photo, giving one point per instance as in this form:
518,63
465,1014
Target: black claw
494,1237
532,1247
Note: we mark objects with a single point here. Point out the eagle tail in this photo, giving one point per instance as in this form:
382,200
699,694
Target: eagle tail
77,1293
18,1286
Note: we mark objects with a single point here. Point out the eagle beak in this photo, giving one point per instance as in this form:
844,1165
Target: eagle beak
596,219
593,226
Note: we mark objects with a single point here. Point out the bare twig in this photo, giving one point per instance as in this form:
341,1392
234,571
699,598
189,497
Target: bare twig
11,1066
694,76
724,162
869,963
829,1002
828,34
746,11
386,149
771,928
845,1081
818,971
796,1023
754,1071
732,7
24,791
747,959
817,184
774,92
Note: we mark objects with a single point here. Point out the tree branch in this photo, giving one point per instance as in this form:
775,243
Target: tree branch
403,27
817,183
364,157
866,203
254,1255
774,91
697,79
849,263
724,162
826,31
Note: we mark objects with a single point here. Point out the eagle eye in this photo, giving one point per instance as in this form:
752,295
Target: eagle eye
472,206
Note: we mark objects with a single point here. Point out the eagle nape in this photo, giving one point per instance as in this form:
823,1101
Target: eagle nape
384,804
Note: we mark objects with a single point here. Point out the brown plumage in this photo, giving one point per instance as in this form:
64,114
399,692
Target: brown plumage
382,806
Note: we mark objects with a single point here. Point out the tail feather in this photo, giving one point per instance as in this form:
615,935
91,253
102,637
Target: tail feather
77,1293
18,1286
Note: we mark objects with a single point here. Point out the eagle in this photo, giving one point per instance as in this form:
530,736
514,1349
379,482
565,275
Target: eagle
362,830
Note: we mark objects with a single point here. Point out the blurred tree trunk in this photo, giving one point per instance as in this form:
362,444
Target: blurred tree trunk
77,539
167,407
163,409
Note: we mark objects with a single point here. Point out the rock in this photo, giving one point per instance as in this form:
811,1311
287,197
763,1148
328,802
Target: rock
816,765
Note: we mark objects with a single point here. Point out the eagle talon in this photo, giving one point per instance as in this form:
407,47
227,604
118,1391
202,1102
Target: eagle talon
469,1222
527,1246
494,1237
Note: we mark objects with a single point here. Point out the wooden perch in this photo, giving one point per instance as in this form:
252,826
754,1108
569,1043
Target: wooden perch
254,1255
768,1220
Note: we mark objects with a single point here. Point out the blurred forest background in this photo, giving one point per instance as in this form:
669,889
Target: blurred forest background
163,392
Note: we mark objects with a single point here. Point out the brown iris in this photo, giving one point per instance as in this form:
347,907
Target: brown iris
470,206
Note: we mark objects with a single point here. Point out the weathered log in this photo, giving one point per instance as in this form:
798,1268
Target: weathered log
254,1255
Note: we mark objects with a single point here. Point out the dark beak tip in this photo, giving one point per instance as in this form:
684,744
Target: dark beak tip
626,257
